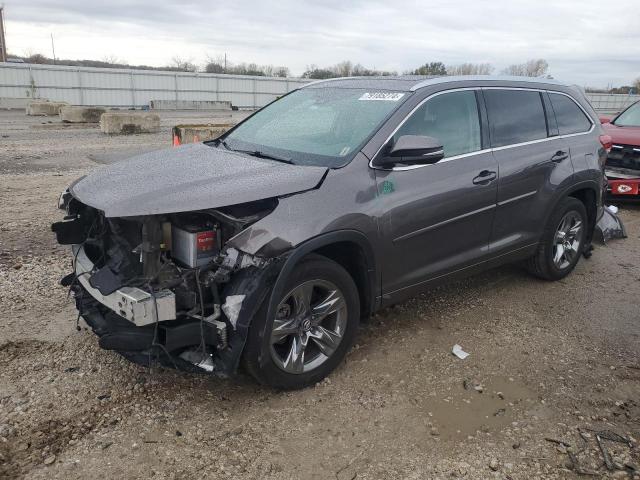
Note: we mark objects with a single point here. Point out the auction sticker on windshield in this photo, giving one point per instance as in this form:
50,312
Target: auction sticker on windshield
385,96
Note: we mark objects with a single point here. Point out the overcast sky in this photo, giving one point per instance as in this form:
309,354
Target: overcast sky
582,40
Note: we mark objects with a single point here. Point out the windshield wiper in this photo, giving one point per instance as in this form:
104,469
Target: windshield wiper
223,143
260,154
255,153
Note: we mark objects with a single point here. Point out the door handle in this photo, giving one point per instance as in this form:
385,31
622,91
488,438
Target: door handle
485,177
559,156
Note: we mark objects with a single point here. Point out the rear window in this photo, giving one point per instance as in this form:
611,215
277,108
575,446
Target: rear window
570,118
515,116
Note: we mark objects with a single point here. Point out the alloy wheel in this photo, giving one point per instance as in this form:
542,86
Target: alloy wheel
567,240
310,323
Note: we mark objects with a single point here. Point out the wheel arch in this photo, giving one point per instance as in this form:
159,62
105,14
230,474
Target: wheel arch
587,193
349,248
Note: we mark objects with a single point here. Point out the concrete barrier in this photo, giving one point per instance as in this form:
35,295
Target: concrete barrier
129,123
7,103
44,108
198,133
189,105
70,114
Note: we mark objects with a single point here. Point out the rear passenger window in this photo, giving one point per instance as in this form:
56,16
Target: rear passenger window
515,116
452,118
570,118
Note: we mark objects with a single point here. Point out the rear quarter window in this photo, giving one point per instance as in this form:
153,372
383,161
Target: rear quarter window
570,117
515,116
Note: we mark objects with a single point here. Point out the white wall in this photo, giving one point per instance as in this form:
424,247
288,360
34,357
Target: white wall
135,88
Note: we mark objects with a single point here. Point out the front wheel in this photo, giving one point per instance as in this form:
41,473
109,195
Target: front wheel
314,325
562,242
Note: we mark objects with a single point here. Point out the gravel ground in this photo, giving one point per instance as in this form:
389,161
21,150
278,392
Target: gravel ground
553,367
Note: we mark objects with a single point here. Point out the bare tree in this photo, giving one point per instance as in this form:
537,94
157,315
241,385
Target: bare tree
281,72
636,85
343,69
431,68
470,69
215,64
37,58
113,59
531,68
184,65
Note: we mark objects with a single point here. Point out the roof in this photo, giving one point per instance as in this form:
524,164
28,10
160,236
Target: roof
410,83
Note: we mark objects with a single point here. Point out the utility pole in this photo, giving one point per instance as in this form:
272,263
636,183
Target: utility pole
53,48
3,45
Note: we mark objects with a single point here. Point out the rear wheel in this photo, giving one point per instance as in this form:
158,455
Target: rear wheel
314,325
562,242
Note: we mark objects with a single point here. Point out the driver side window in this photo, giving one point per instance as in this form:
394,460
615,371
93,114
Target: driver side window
452,118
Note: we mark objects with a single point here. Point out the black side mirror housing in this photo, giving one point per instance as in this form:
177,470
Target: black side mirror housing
413,150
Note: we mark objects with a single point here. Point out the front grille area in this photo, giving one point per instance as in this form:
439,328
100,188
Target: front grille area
112,242
624,156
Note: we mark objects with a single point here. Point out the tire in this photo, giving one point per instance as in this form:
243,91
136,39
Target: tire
272,352
550,264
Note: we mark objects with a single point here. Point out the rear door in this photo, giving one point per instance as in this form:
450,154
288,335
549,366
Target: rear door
437,218
533,162
573,124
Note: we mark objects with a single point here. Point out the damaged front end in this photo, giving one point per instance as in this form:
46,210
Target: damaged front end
168,287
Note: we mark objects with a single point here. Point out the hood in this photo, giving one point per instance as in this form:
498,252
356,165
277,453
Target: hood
187,178
623,135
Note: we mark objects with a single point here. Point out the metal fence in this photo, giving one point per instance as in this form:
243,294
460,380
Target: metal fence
135,88
611,103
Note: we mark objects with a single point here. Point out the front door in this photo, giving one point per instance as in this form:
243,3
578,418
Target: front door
435,219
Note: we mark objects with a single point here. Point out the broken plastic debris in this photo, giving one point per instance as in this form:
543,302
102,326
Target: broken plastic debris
609,226
199,359
612,208
231,308
458,352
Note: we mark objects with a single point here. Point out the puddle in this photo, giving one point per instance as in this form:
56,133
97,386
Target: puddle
462,412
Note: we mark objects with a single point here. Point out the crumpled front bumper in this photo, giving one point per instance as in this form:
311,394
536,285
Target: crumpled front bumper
140,340
138,306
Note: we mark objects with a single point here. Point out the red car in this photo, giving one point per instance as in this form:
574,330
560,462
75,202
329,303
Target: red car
623,161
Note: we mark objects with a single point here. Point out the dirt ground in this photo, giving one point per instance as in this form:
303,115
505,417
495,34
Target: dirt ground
554,368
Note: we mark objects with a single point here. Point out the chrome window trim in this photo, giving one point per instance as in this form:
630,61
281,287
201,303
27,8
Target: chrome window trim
486,150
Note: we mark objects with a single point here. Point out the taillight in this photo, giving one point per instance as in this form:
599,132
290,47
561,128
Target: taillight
606,141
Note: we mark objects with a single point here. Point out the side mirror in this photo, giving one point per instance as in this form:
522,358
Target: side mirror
413,150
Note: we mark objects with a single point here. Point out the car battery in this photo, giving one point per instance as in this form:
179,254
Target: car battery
194,245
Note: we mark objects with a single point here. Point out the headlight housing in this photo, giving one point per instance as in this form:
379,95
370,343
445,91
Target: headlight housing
63,200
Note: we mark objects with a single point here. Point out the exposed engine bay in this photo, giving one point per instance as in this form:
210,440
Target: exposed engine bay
167,287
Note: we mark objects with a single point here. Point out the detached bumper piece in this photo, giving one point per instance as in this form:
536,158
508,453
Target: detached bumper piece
610,226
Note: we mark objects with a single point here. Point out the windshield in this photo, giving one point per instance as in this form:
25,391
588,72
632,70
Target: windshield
630,117
315,126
